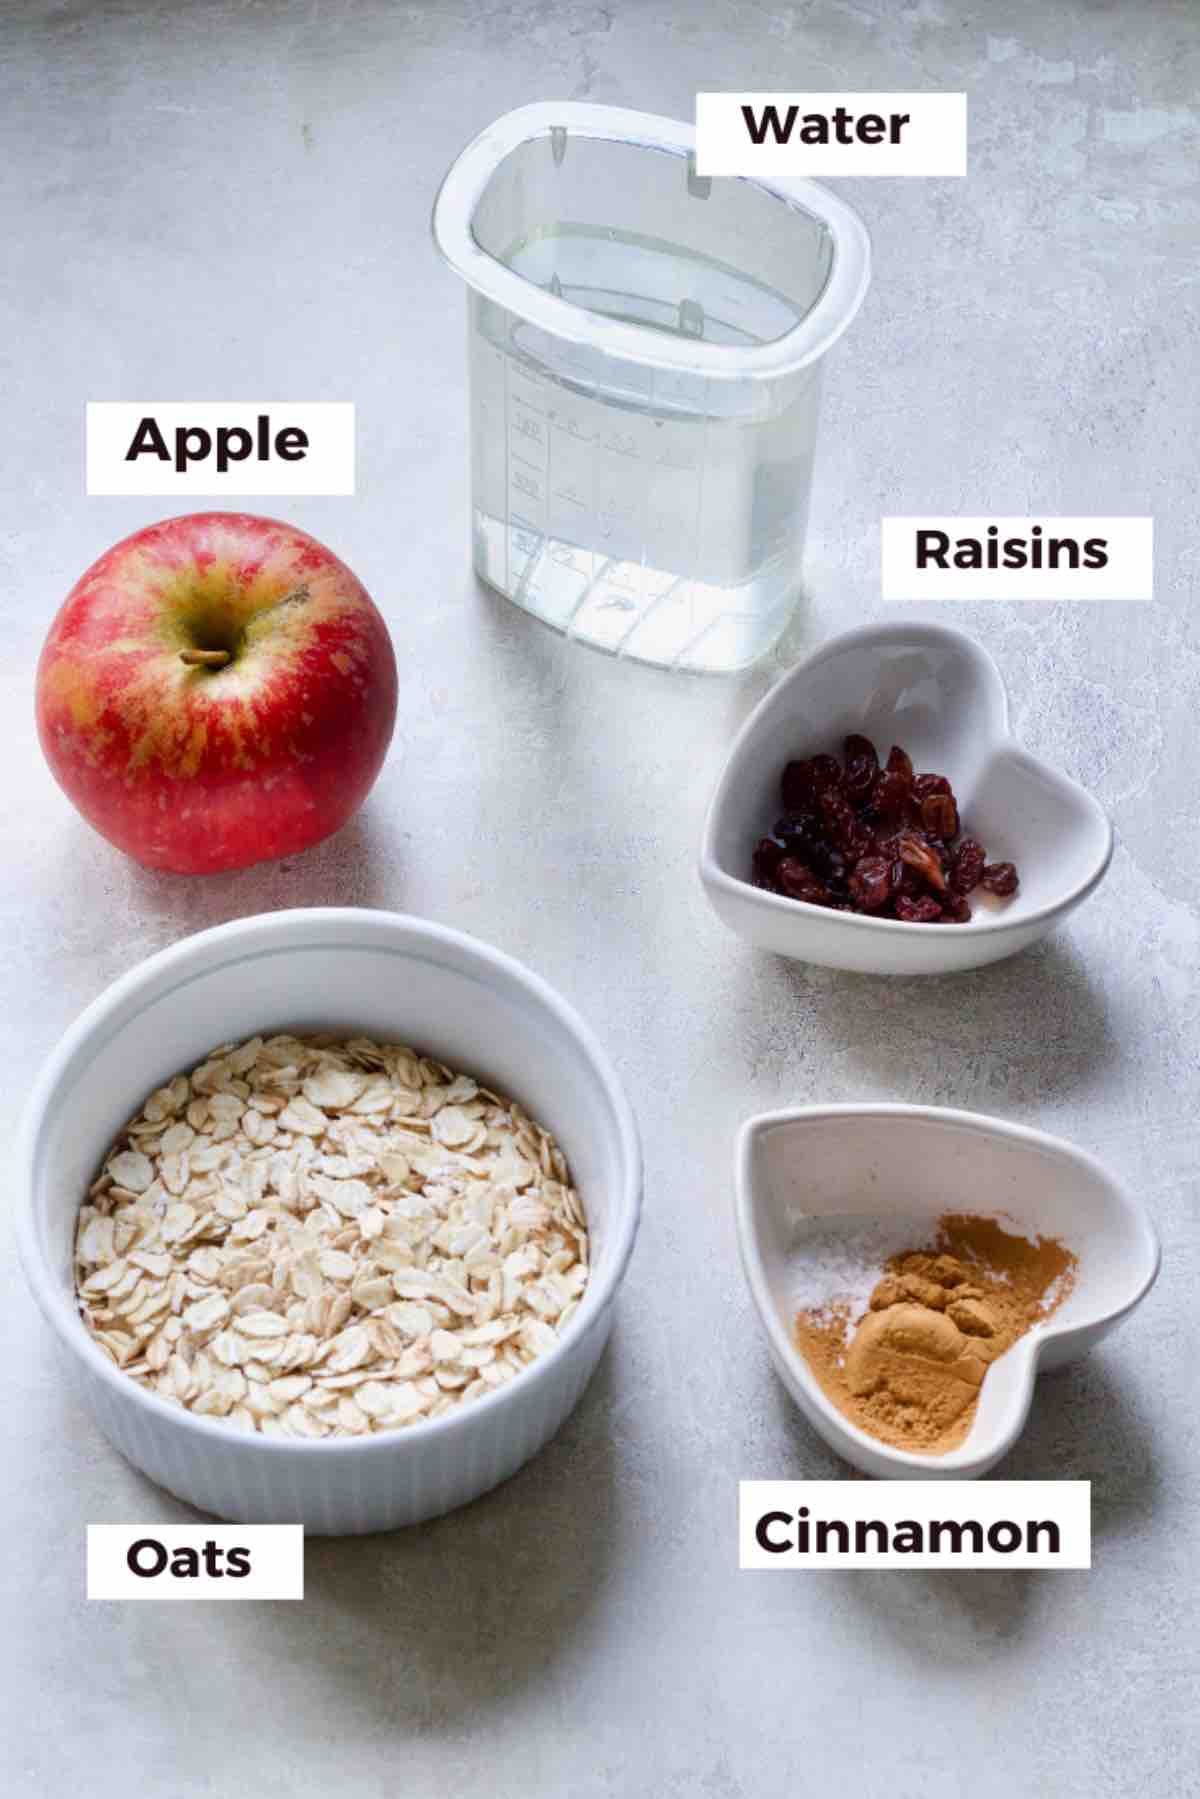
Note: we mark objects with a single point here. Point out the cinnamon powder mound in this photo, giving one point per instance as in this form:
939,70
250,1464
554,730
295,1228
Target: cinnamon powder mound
911,1371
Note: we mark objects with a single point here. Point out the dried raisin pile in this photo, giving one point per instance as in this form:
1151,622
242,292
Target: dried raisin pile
856,837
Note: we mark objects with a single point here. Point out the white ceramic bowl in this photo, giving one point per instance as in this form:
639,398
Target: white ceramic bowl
939,695
822,1162
373,973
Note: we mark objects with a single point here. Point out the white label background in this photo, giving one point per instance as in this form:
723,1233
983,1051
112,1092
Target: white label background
934,142
276,1561
1128,576
1067,1502
327,467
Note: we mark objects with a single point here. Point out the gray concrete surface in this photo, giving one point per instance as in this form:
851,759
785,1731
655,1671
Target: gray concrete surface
206,200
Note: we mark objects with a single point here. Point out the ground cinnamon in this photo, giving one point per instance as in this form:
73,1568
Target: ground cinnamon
910,1371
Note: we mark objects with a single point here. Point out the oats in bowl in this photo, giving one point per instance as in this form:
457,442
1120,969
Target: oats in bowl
314,1238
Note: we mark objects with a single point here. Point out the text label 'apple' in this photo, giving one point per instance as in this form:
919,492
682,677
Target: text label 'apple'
211,447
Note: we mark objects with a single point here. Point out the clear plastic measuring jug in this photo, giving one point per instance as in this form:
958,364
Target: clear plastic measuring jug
644,353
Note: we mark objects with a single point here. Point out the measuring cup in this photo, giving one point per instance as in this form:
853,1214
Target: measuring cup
644,352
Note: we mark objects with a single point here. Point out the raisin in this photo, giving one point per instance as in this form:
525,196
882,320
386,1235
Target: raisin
832,867
899,762
999,878
969,859
799,883
856,746
859,780
922,859
767,857
799,833
924,785
918,911
871,883
910,883
862,769
797,788
840,823
939,815
955,909
826,773
891,799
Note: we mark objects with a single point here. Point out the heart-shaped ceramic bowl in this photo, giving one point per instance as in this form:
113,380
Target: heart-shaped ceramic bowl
940,696
797,1170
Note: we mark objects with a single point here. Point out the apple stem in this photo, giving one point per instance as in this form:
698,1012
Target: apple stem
204,658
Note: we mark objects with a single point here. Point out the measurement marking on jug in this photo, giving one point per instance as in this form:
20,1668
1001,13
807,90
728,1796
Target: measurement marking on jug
669,592
600,575
571,427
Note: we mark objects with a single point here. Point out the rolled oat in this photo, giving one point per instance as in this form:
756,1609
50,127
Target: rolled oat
315,1238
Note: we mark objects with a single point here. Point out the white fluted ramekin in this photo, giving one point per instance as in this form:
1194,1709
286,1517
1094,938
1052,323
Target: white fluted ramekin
365,973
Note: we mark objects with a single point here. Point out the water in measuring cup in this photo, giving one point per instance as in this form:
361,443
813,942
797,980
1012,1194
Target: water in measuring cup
653,514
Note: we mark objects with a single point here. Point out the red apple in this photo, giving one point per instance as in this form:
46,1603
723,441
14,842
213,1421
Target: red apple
217,690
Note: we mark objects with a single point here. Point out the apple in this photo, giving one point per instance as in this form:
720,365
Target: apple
217,690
